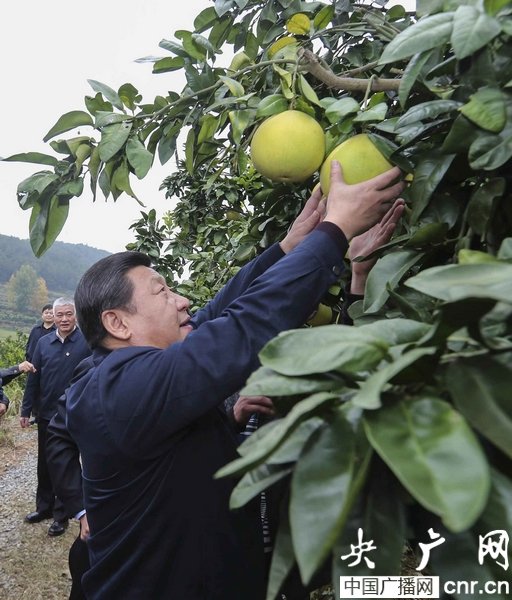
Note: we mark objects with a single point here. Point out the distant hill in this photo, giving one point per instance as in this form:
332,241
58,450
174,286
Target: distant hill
61,266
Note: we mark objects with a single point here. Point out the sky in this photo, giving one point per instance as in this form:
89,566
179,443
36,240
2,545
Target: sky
49,50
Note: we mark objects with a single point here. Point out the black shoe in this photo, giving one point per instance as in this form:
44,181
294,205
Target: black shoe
57,528
37,517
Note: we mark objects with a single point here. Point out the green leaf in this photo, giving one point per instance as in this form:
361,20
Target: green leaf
265,382
429,32
307,91
276,435
411,73
129,95
498,512
94,167
255,481
223,6
240,120
173,47
103,119
271,105
481,391
233,86
435,455
427,175
283,558
109,94
482,203
33,157
460,136
431,233
375,113
323,17
75,187
486,108
29,190
452,283
396,332
370,390
190,45
138,157
68,121
491,151
472,30
205,19
494,6
46,222
339,109
320,486
388,271
113,138
336,348
169,63
189,151
299,24
427,110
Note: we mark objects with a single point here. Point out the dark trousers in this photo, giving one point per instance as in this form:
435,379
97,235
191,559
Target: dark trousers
46,501
78,565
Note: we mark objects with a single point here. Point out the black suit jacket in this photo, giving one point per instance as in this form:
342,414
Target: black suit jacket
63,456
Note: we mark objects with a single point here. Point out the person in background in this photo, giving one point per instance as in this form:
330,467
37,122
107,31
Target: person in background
55,358
7,375
46,326
148,419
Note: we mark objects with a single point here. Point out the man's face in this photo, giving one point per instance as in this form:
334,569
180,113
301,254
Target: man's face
161,316
47,316
65,319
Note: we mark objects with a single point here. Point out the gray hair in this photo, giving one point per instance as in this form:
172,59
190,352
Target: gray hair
63,301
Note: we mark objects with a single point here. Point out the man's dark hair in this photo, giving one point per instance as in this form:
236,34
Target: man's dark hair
47,307
105,286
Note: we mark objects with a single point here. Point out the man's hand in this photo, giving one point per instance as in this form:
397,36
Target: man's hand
24,422
356,208
368,242
308,219
247,405
3,409
84,528
27,367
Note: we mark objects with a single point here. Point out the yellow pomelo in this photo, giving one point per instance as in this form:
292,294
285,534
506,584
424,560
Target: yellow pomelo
359,158
289,146
322,316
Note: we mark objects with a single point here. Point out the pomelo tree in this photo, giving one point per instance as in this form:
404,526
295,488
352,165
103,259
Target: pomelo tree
404,422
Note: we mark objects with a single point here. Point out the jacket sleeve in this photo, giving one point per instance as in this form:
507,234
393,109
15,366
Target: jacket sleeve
238,284
7,375
164,391
3,397
31,395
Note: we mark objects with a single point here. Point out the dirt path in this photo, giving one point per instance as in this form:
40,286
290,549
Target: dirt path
33,566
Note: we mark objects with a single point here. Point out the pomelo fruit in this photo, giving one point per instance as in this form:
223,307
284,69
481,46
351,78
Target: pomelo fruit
288,147
322,316
359,158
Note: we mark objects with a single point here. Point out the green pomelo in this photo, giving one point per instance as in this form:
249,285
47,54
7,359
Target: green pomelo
288,147
322,316
359,158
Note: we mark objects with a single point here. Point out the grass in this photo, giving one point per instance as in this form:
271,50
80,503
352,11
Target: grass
5,333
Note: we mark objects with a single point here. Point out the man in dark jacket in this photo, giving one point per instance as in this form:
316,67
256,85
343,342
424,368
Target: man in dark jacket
46,326
55,358
147,418
7,375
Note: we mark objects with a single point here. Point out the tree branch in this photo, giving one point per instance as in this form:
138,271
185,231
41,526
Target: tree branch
310,61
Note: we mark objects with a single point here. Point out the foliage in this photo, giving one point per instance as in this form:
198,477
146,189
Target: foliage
403,422
26,291
40,295
12,352
61,267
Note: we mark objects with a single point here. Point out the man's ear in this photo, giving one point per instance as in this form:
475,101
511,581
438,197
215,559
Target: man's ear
116,324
